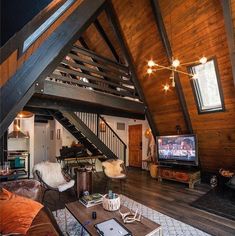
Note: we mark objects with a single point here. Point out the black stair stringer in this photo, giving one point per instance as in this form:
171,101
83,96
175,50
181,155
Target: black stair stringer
83,134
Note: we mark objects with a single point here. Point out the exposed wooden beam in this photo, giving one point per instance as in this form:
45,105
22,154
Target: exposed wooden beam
226,5
10,116
97,80
91,97
51,102
37,111
98,65
100,58
43,117
83,43
163,34
77,73
96,87
43,62
106,39
94,71
100,68
129,61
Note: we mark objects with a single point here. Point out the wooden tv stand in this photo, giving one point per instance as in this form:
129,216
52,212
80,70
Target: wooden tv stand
181,175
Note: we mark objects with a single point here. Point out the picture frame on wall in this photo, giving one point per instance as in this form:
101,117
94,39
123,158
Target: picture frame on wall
58,134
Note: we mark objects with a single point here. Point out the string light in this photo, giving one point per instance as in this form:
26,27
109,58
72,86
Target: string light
153,67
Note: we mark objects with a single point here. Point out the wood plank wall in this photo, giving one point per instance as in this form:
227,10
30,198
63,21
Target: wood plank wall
232,3
13,62
196,28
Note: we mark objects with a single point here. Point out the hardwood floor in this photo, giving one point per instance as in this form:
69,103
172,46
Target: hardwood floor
169,198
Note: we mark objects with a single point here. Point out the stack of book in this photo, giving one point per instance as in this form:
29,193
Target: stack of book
91,200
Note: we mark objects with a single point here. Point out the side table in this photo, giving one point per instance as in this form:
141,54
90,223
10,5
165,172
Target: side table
84,181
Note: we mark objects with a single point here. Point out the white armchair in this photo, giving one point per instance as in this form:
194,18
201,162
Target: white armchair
115,170
52,178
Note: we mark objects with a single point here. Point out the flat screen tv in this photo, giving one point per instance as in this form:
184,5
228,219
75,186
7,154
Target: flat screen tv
177,149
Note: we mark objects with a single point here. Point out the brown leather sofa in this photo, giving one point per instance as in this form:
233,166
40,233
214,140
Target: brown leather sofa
44,223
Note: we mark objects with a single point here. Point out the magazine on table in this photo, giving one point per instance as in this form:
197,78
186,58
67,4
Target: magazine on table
91,200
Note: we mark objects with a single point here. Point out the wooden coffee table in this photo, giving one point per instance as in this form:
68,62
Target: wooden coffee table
83,215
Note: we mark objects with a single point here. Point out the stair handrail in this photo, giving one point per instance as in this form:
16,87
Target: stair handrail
117,136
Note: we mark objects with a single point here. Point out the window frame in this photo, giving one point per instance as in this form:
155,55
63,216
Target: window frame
47,22
197,92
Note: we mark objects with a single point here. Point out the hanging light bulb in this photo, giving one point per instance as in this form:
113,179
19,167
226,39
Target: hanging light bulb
194,76
151,63
172,78
149,71
203,60
175,63
166,87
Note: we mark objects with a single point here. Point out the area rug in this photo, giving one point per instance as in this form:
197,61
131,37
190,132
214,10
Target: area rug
170,226
218,202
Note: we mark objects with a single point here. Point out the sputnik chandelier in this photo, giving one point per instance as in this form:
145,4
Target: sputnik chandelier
174,68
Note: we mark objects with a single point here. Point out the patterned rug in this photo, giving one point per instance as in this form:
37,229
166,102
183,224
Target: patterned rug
170,226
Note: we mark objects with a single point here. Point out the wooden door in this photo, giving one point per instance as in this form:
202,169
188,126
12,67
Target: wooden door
135,145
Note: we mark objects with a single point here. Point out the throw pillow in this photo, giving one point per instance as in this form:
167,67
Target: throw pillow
17,213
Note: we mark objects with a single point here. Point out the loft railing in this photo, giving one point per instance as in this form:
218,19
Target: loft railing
105,133
79,69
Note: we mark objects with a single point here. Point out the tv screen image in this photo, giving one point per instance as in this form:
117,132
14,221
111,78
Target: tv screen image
177,148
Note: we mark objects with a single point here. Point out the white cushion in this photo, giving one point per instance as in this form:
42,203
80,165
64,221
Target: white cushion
113,169
50,173
66,185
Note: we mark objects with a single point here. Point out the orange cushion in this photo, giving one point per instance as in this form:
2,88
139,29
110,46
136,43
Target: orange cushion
16,212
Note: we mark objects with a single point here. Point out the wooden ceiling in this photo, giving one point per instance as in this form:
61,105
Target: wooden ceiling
195,28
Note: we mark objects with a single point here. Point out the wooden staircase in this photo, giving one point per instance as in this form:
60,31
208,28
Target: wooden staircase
71,122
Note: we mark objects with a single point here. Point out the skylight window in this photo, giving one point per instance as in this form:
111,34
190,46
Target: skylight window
29,41
207,87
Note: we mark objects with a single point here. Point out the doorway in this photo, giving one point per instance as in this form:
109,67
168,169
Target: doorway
135,145
40,142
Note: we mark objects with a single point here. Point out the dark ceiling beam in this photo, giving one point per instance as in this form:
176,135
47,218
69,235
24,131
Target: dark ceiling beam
228,21
37,111
97,64
6,119
45,59
105,37
112,17
42,117
100,58
66,91
163,34
83,43
51,102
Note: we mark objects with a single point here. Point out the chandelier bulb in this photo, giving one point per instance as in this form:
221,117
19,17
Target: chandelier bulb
151,63
149,71
175,63
166,87
203,60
